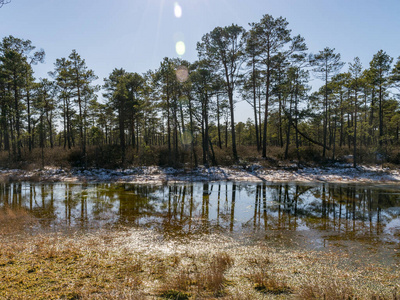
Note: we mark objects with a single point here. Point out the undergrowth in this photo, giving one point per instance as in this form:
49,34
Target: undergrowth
110,156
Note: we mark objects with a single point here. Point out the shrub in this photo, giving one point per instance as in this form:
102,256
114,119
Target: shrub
329,290
212,278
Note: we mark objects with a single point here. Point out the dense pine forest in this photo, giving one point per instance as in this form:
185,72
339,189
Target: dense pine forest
183,113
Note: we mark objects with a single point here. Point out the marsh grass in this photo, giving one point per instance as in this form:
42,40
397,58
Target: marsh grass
329,290
175,295
212,277
47,266
394,296
263,280
270,285
200,276
139,264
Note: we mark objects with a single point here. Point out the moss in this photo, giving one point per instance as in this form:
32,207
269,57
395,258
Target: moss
273,289
176,295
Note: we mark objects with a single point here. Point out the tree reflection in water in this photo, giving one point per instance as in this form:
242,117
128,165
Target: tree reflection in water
337,211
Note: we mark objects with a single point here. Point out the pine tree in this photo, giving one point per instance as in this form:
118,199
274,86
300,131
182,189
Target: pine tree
81,78
355,69
224,47
379,70
325,64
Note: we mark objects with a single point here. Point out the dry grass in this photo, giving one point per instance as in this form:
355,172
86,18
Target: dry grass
212,278
268,284
139,264
46,267
175,295
331,290
263,278
197,276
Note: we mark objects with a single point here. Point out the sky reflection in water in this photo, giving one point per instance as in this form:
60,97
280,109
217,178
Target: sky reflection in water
310,216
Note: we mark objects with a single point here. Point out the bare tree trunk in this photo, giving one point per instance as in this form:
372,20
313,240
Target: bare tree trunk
255,107
264,150
355,131
219,124
192,132
325,115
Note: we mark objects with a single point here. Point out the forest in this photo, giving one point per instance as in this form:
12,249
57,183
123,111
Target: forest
183,113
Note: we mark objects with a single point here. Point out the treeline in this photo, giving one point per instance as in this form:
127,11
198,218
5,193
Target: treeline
187,109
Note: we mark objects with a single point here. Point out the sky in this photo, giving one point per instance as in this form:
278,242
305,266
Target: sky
137,34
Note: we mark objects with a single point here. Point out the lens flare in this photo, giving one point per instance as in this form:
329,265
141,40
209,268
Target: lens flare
182,73
187,137
177,10
180,48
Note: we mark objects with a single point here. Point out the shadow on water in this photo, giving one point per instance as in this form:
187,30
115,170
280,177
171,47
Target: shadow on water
311,216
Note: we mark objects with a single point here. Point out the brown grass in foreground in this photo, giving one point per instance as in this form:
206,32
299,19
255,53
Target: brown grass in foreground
201,276
139,264
331,290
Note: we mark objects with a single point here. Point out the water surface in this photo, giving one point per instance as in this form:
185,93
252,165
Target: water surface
359,219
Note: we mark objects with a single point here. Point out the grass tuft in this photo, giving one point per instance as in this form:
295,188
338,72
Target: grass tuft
212,278
263,281
175,295
328,290
272,286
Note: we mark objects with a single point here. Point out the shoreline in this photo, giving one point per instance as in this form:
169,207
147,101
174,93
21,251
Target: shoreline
141,263
163,175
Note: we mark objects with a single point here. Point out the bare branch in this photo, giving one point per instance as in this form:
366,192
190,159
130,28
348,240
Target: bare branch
2,2
302,133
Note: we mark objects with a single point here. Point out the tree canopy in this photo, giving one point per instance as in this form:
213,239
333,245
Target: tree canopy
185,110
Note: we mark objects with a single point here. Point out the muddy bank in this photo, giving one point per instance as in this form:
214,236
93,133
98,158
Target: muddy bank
253,173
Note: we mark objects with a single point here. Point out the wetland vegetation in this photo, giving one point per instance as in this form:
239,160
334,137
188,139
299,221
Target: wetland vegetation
199,240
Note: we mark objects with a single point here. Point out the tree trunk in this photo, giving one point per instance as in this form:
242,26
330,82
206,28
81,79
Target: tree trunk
255,106
325,115
121,131
17,118
192,132
380,115
355,131
288,129
264,150
218,124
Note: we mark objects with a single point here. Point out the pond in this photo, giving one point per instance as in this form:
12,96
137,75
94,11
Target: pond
319,216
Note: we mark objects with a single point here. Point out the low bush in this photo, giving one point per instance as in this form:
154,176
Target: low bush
110,156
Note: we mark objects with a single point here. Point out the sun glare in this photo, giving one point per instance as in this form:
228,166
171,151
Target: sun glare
180,48
177,10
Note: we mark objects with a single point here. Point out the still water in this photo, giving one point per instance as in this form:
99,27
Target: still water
311,216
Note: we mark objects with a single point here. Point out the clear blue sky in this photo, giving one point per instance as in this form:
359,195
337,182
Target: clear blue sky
137,34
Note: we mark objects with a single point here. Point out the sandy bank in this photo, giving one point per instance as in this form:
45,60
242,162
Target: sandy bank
253,173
